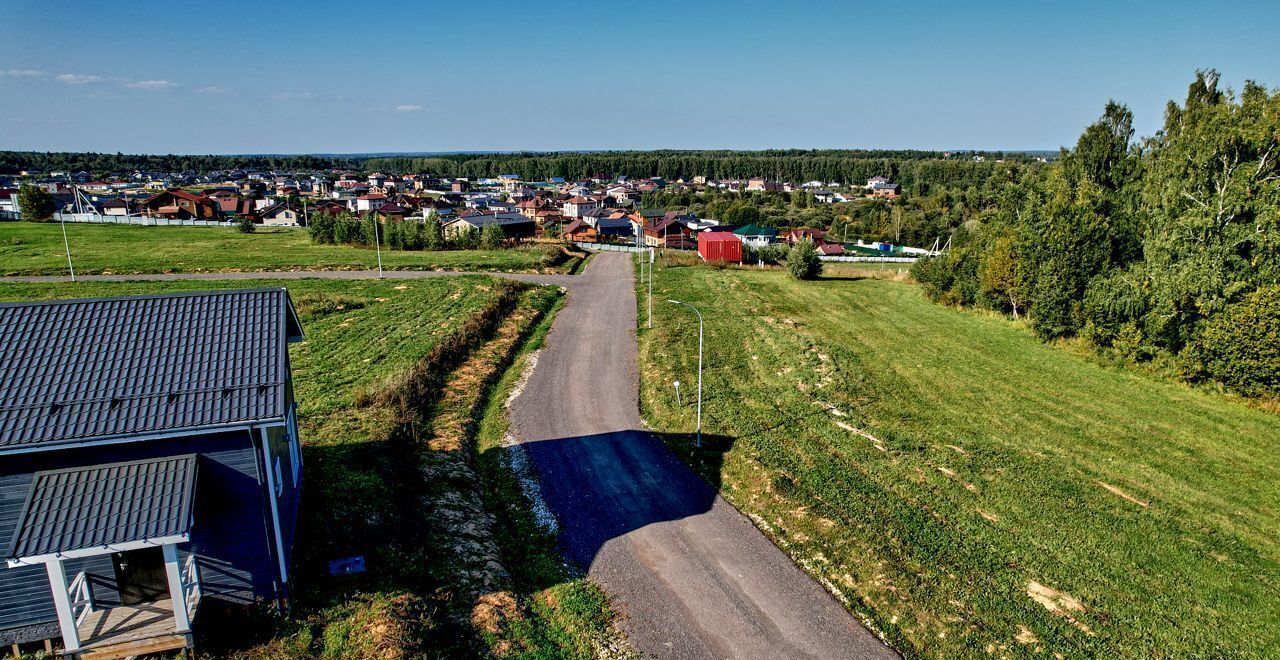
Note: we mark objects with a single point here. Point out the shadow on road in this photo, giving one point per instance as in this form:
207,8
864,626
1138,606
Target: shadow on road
596,501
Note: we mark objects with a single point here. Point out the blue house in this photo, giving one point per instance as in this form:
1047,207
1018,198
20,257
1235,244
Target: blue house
149,461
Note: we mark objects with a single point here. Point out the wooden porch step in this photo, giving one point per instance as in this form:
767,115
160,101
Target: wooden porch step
136,647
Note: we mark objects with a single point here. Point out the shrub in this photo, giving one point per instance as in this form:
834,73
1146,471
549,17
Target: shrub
803,262
321,228
246,225
772,254
1240,346
36,204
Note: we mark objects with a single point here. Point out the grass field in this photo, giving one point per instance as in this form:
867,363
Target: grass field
966,489
28,248
364,491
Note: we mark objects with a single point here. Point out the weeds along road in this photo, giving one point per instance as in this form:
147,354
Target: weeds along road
691,576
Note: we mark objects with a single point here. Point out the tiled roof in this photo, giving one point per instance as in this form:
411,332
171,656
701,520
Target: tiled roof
104,505
80,369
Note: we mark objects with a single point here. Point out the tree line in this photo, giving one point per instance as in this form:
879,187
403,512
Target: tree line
103,164
918,170
1164,250
345,228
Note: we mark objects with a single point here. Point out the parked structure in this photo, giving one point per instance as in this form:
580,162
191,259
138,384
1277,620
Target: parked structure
719,246
149,460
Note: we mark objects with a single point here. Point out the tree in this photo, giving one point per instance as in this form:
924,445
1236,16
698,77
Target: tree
434,238
245,224
999,275
491,237
35,204
803,261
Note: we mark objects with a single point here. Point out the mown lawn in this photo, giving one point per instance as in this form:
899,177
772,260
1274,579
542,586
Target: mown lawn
967,489
28,248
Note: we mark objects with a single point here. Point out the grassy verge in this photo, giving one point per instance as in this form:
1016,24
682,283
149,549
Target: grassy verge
966,489
36,249
562,613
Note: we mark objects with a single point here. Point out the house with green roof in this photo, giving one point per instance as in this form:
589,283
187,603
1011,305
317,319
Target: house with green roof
756,236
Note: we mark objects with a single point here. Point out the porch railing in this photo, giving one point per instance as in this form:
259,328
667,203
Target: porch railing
191,584
81,594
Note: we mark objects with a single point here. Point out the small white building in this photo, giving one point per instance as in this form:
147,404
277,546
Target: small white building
370,202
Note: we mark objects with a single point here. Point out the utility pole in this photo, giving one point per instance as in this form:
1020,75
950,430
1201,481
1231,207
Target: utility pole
698,443
377,242
650,288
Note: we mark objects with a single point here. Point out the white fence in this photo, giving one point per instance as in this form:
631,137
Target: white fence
873,260
137,220
610,247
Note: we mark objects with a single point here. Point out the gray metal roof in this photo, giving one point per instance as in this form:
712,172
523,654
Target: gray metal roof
104,505
73,370
501,219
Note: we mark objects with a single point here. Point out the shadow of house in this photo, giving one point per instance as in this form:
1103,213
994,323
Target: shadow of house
596,502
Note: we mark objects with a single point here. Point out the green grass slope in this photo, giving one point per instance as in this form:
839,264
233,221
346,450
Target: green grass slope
36,249
966,489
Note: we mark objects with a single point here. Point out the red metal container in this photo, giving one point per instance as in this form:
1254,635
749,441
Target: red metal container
720,246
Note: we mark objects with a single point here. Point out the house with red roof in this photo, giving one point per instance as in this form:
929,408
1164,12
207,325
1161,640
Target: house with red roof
179,204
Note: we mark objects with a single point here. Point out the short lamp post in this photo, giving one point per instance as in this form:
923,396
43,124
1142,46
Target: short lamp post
678,402
695,311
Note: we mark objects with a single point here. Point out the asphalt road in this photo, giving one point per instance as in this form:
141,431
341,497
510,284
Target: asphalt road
562,280
692,577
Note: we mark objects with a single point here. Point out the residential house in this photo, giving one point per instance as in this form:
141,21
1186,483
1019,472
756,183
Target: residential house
280,215
180,204
830,249
115,207
393,211
148,472
370,202
755,236
793,236
761,184
580,231
668,232
577,207
886,190
514,226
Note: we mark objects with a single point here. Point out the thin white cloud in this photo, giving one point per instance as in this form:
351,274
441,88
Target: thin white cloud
78,78
22,73
217,89
294,96
408,107
151,84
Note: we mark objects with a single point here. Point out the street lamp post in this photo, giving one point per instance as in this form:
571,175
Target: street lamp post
695,311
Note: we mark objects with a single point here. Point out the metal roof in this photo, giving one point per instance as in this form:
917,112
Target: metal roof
73,370
105,505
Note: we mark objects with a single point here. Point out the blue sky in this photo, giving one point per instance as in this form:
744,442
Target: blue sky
319,76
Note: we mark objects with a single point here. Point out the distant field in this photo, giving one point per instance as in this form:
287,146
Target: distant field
36,249
363,492
967,489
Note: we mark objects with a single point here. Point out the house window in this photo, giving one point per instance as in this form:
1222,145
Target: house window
295,445
279,478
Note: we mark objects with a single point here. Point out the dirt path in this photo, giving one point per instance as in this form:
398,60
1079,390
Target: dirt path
692,577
